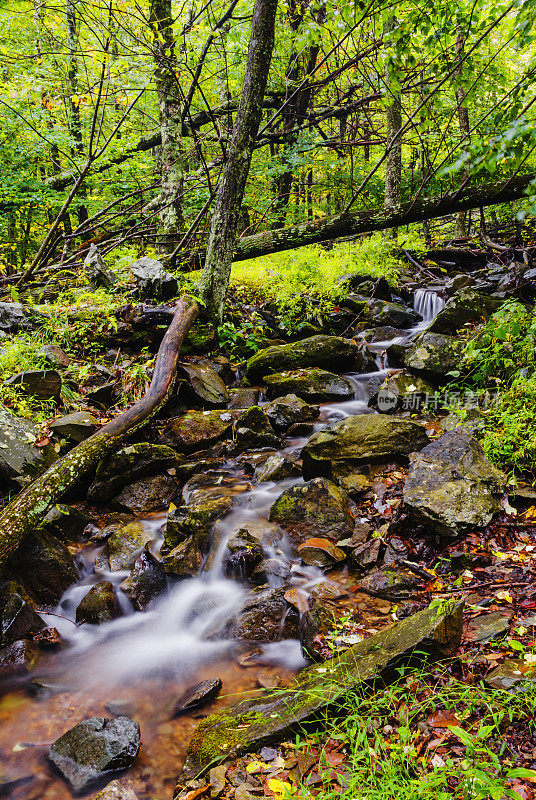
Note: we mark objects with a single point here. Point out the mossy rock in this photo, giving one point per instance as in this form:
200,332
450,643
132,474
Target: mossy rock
99,605
128,465
314,509
434,355
465,306
313,385
125,545
380,312
147,494
195,521
316,351
289,409
44,566
265,616
196,430
361,439
434,632
20,460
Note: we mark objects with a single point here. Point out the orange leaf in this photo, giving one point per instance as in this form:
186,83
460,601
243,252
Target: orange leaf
442,719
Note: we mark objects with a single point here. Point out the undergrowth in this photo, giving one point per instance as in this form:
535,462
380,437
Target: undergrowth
387,744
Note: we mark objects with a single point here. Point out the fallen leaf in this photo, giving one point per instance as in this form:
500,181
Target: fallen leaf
504,595
279,788
197,792
442,719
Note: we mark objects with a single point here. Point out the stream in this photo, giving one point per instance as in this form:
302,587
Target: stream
137,664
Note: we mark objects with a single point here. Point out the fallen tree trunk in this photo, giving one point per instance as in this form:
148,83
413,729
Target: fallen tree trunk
25,513
343,225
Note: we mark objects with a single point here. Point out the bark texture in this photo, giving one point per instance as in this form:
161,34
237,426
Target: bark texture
215,279
25,513
393,124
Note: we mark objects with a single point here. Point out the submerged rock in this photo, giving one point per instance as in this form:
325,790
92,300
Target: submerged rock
95,747
20,459
114,791
127,465
313,385
98,605
152,279
239,729
361,439
451,486
317,351
197,696
314,509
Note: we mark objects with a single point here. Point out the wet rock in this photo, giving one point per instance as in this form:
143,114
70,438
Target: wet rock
451,486
44,566
96,270
465,306
381,312
241,563
365,556
265,616
146,581
434,355
197,429
67,523
18,620
94,748
402,391
361,439
76,426
9,782
104,396
44,384
239,729
385,333
195,521
205,384
277,468
243,398
152,279
473,421
99,605
274,571
288,410
314,385
20,459
147,494
316,625
54,355
125,545
114,791
18,658
487,627
511,674
314,509
197,696
317,351
252,429
128,464
318,552
389,583
258,532
351,481
13,318
185,560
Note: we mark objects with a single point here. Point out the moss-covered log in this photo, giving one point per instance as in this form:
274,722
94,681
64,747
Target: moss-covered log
24,514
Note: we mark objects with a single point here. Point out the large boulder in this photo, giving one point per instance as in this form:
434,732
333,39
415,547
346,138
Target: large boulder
13,318
314,385
465,306
434,355
402,391
20,459
451,486
239,729
147,494
100,604
289,409
95,747
196,430
44,566
124,546
205,384
314,509
381,312
18,620
127,465
361,439
317,351
152,279
96,270
44,384
146,581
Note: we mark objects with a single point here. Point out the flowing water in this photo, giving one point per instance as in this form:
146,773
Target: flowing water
141,661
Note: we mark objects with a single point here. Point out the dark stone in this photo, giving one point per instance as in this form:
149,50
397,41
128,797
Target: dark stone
465,306
243,397
252,429
315,625
44,384
317,351
128,464
239,729
68,523
277,468
389,583
487,627
317,508
205,384
197,696
20,460
381,312
318,552
44,566
366,555
17,658
197,429
511,674
18,620
434,355
153,280
146,581
313,385
13,318
288,410
105,395
265,616
94,748
125,545
273,571
76,426
147,494
99,605
54,355
451,486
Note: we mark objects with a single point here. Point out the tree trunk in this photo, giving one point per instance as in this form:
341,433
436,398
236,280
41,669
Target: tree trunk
393,121
75,123
170,217
215,279
340,226
25,513
463,122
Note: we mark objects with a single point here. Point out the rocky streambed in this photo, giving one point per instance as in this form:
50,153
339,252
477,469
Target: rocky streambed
219,556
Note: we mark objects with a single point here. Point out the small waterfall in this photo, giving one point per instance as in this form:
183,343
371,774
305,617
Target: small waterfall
428,304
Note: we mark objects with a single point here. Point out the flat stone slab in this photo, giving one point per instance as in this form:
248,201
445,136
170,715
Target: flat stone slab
244,727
